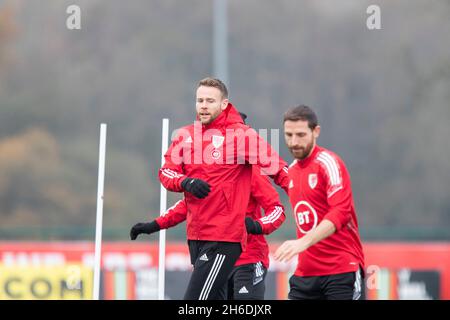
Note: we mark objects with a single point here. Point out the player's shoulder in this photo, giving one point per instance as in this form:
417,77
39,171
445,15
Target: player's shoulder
188,127
325,155
330,162
184,131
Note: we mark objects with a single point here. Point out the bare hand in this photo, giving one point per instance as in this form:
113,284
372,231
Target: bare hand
289,249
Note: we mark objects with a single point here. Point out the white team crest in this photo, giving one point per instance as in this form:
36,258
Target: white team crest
217,141
312,180
215,154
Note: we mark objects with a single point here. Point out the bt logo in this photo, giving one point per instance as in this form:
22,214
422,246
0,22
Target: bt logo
305,216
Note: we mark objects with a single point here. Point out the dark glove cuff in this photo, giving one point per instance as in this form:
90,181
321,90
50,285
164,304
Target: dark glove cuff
153,227
258,228
184,182
253,226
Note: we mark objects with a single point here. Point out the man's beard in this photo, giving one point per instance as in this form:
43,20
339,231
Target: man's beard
211,118
302,153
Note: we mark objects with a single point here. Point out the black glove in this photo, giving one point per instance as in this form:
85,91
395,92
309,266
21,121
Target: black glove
147,228
253,226
197,187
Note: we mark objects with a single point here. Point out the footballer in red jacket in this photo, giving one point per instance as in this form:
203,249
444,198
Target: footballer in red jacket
211,162
246,281
330,256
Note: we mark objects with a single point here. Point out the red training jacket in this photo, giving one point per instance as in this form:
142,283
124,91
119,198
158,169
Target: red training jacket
263,195
221,153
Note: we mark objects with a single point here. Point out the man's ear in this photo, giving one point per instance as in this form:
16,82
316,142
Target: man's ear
316,132
224,104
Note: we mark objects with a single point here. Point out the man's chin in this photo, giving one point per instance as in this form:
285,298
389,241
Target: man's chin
205,120
299,155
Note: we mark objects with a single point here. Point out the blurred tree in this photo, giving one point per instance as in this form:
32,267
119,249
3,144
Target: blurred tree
28,164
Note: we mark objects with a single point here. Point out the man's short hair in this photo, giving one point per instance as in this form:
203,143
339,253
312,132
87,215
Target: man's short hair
215,83
303,113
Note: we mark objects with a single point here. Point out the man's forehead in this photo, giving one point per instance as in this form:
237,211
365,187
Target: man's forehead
296,126
204,92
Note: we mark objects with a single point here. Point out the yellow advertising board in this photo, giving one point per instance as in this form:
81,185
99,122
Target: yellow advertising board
68,282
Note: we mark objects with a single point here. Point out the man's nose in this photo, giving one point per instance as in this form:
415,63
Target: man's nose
295,141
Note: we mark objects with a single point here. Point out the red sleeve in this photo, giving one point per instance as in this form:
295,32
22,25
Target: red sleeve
173,216
267,197
257,151
172,174
339,192
282,179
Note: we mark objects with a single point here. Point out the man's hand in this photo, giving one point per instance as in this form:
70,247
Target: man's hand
197,187
290,248
252,226
147,228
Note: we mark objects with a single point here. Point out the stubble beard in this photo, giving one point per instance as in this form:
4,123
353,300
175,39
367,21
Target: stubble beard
304,152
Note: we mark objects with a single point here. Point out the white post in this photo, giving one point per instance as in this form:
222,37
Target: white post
99,219
162,209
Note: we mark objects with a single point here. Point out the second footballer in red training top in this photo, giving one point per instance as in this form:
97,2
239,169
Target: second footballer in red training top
330,256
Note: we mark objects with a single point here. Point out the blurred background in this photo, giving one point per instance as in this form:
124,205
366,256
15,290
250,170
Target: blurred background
382,98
